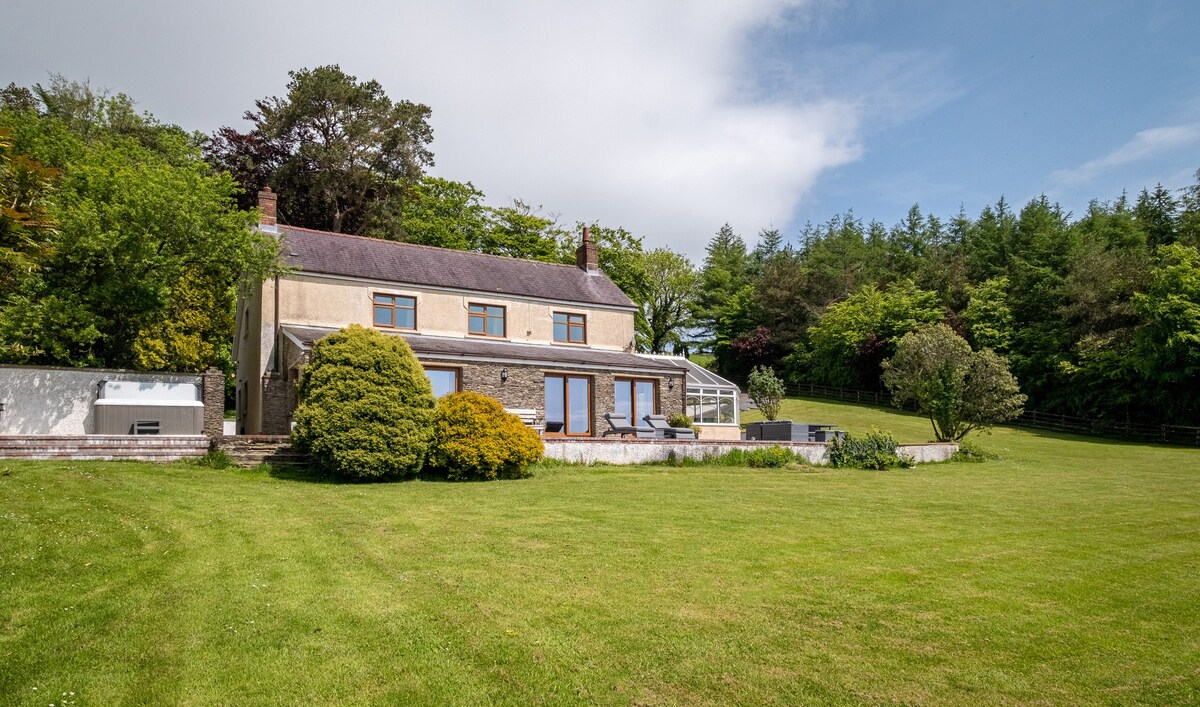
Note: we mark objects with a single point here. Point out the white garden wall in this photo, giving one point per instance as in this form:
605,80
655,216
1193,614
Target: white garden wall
641,451
41,400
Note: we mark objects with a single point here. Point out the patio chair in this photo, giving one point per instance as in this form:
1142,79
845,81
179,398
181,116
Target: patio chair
619,425
659,424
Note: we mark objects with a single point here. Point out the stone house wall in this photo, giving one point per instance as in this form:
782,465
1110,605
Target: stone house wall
524,389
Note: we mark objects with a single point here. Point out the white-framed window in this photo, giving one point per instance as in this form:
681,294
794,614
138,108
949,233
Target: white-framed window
712,406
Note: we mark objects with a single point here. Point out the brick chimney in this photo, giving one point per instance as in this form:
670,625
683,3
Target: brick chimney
586,255
267,201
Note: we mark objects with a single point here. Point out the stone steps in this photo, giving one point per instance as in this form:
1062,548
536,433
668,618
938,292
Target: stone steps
252,450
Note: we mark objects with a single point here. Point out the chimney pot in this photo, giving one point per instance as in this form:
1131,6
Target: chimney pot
587,257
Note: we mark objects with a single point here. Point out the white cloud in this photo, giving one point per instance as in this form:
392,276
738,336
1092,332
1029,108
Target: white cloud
626,112
1145,145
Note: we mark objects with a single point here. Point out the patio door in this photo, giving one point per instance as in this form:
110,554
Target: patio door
635,399
568,405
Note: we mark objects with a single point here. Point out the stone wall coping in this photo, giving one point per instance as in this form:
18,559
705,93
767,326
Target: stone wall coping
254,438
747,442
99,438
24,367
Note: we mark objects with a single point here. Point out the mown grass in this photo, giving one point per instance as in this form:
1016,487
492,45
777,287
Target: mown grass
1064,573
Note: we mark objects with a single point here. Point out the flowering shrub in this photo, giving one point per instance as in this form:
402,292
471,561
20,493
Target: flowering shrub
474,438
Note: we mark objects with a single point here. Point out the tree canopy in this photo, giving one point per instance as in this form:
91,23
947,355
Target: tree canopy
336,149
122,248
960,390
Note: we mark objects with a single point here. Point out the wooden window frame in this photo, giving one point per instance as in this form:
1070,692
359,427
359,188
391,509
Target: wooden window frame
582,326
591,404
503,319
632,381
458,375
393,307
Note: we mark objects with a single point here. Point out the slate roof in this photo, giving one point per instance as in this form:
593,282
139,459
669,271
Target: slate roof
374,259
476,348
697,375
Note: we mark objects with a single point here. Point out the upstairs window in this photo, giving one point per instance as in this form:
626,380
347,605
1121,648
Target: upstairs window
395,312
485,320
570,328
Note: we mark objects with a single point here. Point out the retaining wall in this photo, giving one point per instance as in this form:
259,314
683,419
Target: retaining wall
251,450
641,451
148,448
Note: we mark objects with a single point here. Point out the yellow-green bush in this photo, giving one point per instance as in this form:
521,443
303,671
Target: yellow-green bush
474,438
366,407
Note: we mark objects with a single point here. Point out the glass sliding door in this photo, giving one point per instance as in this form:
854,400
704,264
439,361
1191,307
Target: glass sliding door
579,406
643,398
568,405
635,399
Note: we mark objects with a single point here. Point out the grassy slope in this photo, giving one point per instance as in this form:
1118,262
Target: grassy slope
1064,573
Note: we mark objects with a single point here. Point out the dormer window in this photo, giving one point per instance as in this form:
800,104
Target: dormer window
395,312
486,320
570,328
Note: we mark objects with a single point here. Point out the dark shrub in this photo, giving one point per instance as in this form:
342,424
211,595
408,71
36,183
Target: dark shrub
874,450
366,407
474,438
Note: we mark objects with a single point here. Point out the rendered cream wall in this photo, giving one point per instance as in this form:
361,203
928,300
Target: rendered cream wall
253,352
324,302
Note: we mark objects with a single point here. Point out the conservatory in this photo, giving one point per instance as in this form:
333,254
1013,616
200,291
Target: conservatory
710,400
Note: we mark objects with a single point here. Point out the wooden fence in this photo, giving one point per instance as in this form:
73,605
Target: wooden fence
1139,431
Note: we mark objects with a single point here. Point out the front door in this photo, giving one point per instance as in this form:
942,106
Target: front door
568,405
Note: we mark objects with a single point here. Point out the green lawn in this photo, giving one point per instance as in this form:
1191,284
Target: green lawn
1068,572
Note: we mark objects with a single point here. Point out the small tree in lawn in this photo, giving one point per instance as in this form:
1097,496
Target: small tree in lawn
766,390
959,389
366,407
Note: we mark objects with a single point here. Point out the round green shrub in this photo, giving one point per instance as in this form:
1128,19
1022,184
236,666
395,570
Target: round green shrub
474,438
366,407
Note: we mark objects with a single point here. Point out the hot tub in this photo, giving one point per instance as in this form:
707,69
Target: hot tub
133,408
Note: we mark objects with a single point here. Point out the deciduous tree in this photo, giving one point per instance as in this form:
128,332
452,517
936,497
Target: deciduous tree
959,390
766,390
666,306
335,149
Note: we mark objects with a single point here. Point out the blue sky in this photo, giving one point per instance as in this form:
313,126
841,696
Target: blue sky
977,100
671,117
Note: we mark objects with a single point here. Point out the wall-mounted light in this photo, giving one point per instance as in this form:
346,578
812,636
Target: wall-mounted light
670,384
503,375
